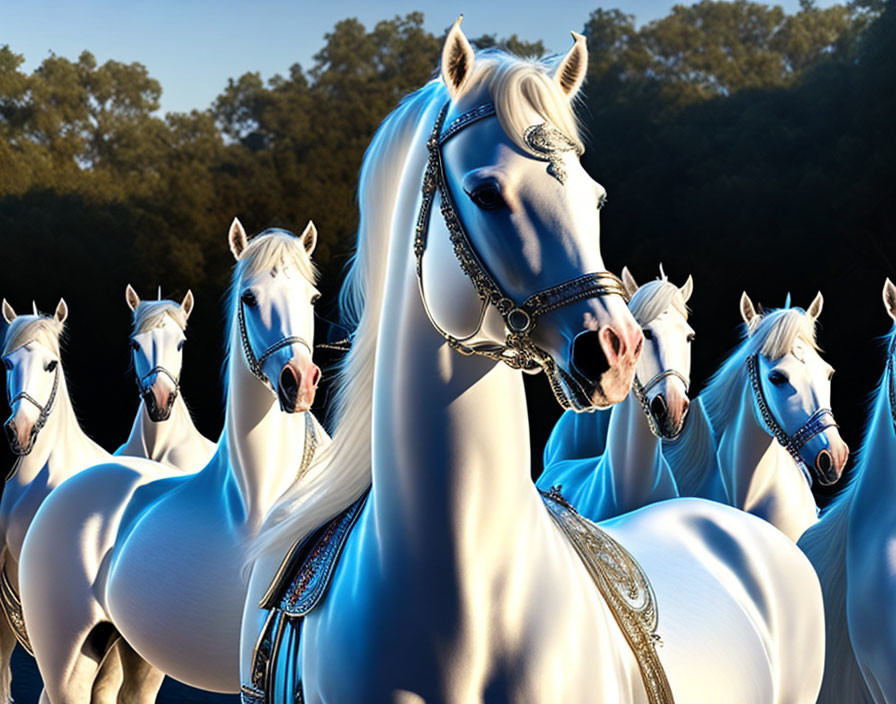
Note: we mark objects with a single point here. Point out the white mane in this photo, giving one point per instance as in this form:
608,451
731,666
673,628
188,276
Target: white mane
44,329
654,298
773,335
393,164
151,314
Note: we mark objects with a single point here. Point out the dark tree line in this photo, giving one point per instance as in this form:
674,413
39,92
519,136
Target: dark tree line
748,146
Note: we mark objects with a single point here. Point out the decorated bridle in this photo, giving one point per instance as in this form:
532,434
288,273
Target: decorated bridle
818,422
43,409
518,350
891,369
641,390
256,364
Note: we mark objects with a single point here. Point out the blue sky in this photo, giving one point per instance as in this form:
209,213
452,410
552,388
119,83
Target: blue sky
193,46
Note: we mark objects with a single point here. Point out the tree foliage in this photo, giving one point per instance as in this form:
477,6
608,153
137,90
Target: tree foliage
746,145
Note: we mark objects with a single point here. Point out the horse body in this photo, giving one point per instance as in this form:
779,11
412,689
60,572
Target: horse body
162,561
163,429
692,457
455,584
851,550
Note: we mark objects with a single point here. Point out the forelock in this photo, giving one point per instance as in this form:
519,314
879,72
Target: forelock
43,329
515,84
152,314
653,299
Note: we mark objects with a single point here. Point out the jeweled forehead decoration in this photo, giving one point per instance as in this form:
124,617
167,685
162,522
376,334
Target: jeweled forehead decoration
549,144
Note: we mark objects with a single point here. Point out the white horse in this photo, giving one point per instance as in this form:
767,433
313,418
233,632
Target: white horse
851,548
769,407
630,471
163,429
160,563
50,445
456,583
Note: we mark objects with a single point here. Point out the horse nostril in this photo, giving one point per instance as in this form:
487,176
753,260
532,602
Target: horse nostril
614,340
315,376
288,381
659,409
588,356
824,462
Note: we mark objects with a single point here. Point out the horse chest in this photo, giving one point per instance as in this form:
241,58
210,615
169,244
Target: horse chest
20,504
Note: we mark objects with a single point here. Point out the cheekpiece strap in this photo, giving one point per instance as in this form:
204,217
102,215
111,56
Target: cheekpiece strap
255,364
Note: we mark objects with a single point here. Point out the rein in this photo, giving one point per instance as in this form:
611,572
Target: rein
44,414
254,363
518,350
817,423
640,390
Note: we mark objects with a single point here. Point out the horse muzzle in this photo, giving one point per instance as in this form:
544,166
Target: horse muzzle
603,363
297,386
21,436
669,416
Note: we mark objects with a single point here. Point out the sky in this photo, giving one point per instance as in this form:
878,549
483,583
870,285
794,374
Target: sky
193,46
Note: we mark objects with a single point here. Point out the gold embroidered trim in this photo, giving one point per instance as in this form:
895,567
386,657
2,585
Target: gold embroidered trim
12,608
624,587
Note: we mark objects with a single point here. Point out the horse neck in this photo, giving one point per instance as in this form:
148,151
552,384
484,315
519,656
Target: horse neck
261,444
450,457
634,458
750,459
61,446
149,438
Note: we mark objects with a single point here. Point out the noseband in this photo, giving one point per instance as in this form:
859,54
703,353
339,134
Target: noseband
255,364
44,413
518,350
640,390
817,423
144,389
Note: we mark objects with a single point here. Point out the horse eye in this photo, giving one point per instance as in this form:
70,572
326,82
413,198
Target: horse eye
7,363
487,196
51,367
648,333
135,345
691,337
777,378
248,298
315,298
180,345
602,202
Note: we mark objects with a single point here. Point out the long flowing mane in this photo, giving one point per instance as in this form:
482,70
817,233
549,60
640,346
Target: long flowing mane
773,335
393,168
654,298
825,545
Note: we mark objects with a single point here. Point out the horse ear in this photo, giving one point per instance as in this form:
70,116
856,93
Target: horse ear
747,309
61,311
238,239
457,59
889,299
629,281
570,74
309,237
687,289
133,300
815,309
8,313
187,303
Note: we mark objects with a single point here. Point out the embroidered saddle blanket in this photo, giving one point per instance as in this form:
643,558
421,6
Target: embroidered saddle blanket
304,575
